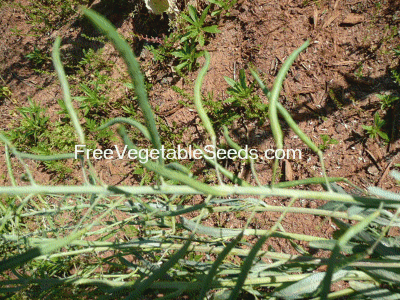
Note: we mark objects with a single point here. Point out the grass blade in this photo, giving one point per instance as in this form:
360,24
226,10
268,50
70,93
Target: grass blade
141,286
246,267
341,243
213,271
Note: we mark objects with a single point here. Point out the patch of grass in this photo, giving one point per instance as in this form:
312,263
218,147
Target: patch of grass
32,126
48,15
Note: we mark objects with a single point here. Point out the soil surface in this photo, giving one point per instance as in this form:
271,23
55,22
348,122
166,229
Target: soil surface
331,89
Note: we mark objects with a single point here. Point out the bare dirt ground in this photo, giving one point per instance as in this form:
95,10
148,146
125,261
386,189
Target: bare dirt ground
330,90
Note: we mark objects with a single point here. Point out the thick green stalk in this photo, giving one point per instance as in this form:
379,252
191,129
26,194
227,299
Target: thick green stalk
133,69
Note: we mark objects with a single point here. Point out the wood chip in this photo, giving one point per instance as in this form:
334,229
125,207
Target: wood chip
352,19
331,19
288,171
315,17
373,170
344,63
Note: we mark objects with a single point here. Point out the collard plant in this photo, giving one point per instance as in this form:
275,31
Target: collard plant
137,242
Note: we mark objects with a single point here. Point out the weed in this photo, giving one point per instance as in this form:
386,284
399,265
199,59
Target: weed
223,6
397,51
396,76
103,137
32,126
387,101
60,138
326,141
359,71
183,93
196,30
376,129
93,101
5,92
37,57
243,97
16,31
219,112
336,97
188,56
48,15
160,54
93,61
171,135
130,109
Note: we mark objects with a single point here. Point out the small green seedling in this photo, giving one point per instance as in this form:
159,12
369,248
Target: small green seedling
375,130
32,126
93,101
397,51
224,5
159,53
326,141
242,95
37,57
196,30
239,89
188,56
396,76
387,101
5,92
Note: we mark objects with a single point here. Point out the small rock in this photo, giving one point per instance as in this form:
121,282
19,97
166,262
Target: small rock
373,170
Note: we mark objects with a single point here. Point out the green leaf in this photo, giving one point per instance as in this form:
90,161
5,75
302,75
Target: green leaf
383,135
372,291
193,14
201,40
306,286
392,275
208,280
187,19
212,29
204,15
230,81
246,267
181,66
140,286
178,54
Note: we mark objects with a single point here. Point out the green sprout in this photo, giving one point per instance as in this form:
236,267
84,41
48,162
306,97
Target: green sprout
196,30
188,56
375,130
